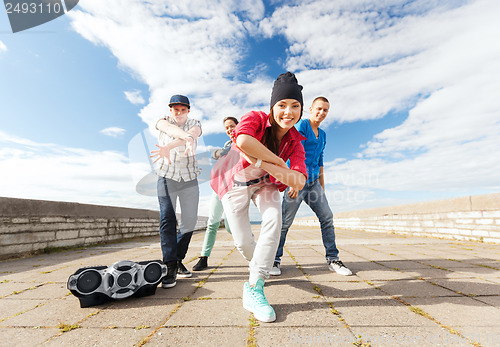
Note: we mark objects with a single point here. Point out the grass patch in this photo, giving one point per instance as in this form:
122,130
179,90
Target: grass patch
439,267
488,267
140,327
251,341
360,343
418,311
66,327
318,289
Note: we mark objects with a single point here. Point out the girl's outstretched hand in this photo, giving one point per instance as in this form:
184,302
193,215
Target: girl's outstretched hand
162,152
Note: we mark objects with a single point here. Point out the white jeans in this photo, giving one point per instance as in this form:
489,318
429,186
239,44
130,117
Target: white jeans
266,198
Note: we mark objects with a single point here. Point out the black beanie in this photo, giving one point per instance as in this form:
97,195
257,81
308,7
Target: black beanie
286,87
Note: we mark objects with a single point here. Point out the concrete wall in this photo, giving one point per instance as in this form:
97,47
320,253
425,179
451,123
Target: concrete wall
27,226
466,218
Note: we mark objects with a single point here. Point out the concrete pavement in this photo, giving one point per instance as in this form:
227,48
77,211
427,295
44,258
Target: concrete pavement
406,291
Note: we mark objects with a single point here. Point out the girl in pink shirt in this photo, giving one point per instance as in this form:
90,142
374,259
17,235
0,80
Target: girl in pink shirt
255,169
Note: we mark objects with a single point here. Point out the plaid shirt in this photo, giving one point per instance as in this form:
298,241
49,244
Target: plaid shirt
183,166
254,124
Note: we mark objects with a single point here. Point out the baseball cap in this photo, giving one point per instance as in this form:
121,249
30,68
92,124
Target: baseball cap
179,99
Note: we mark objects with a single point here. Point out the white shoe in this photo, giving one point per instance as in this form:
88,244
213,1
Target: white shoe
275,270
339,267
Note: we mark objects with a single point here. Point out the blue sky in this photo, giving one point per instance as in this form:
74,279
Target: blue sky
415,113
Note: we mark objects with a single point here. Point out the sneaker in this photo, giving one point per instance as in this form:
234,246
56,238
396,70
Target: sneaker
276,269
255,301
169,280
182,272
201,265
339,267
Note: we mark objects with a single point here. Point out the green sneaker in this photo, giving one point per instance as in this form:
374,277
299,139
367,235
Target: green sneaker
255,301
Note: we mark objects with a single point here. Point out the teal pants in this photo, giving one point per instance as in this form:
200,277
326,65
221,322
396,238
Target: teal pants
213,223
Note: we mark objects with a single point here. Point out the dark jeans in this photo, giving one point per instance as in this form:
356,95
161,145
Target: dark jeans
313,195
174,244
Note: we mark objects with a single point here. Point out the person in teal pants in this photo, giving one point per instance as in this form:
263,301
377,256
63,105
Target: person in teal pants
216,208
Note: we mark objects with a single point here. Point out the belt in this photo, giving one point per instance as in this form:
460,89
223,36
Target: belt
251,182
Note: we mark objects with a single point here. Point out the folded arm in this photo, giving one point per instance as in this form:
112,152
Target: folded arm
182,137
253,148
285,175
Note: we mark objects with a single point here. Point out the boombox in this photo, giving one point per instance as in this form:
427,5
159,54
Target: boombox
98,284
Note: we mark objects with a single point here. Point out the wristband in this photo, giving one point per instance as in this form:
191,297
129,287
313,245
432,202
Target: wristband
258,163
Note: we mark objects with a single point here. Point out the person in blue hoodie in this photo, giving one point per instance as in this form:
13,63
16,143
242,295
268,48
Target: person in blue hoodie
313,192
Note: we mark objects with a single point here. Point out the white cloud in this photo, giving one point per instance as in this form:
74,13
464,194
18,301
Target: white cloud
3,47
179,48
68,174
135,97
79,175
113,131
372,57
437,61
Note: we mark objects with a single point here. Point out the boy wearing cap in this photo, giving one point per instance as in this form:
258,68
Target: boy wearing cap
313,192
177,172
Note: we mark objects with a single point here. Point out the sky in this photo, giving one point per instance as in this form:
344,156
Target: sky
413,87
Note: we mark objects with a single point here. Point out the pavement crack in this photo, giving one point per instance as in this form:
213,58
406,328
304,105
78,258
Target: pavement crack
416,309
333,310
184,299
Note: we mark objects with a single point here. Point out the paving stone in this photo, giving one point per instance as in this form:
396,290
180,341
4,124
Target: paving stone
312,313
379,311
26,337
408,336
475,272
11,288
185,287
13,306
415,288
428,273
43,291
493,300
220,288
133,313
217,312
303,336
289,291
445,263
403,265
200,336
384,275
348,289
468,286
100,337
206,309
51,314
486,336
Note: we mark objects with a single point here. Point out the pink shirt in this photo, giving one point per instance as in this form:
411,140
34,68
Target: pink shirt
254,123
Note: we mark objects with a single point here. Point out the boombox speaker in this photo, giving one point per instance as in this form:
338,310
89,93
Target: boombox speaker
96,285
